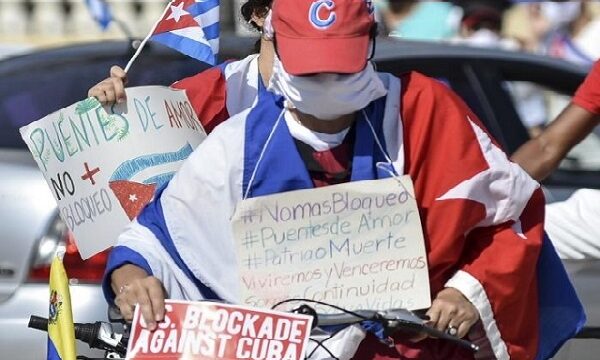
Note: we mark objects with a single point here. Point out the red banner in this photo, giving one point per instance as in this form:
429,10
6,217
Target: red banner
209,330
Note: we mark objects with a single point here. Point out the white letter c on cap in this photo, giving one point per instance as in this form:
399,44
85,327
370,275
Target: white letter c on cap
314,17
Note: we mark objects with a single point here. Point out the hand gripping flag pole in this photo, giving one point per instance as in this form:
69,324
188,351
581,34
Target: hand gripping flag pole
188,26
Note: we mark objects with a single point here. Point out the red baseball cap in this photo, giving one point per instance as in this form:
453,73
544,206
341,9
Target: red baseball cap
322,36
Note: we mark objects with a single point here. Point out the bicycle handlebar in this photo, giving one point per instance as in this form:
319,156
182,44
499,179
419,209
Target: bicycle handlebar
98,335
392,321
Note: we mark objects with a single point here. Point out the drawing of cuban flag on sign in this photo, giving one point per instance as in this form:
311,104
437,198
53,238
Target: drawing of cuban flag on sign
134,181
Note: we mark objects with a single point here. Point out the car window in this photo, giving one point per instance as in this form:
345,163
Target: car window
538,106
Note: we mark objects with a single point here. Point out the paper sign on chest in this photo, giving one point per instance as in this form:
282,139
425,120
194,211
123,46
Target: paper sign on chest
104,164
358,245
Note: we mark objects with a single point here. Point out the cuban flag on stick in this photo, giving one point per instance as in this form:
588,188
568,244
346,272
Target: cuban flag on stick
188,26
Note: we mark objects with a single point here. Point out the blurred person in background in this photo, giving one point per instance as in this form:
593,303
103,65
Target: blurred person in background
573,225
481,26
419,20
571,31
389,13
524,23
562,29
219,92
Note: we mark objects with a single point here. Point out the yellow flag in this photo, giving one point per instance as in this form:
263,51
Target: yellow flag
61,332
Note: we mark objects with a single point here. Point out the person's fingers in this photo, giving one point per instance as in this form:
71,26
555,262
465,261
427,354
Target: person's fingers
434,314
110,90
464,321
440,313
93,91
453,313
101,98
126,306
157,297
104,92
463,329
110,95
145,304
118,72
118,88
447,313
97,90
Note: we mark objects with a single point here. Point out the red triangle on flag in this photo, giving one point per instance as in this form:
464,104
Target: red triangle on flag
132,196
176,17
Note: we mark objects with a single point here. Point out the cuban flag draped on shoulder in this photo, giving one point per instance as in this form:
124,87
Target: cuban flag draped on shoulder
190,27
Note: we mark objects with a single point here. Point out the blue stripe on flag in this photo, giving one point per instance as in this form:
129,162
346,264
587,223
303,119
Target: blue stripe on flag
129,168
561,313
161,179
202,7
187,46
52,352
212,31
153,218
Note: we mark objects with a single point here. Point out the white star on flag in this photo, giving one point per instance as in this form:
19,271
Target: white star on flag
494,187
177,12
133,198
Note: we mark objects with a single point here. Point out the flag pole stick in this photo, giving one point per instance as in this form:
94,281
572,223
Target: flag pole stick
143,43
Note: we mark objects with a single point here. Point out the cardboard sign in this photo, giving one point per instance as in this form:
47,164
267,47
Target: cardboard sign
357,245
104,164
210,330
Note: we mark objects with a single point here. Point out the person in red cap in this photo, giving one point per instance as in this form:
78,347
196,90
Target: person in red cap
329,118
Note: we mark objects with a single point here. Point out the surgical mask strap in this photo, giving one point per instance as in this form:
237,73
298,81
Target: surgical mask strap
380,165
262,153
387,157
267,30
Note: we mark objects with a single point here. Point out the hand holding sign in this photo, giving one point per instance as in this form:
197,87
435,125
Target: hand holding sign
112,89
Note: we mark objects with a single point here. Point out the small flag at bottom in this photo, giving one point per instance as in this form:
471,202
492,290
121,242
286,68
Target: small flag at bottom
61,331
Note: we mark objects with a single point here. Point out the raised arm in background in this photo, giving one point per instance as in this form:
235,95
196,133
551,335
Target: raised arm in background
542,154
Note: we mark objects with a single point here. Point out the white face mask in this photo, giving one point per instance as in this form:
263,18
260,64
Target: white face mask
327,96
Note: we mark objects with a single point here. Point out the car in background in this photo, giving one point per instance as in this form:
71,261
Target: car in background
31,231
7,50
34,85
